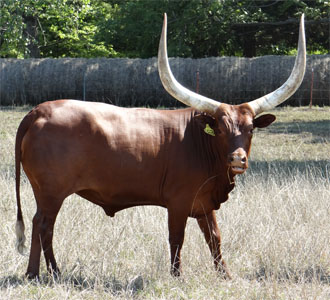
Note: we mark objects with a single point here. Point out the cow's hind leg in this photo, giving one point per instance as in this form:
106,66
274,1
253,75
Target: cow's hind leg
42,236
208,225
176,225
47,245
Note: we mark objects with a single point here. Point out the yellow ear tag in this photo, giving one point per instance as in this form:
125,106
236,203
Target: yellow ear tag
209,130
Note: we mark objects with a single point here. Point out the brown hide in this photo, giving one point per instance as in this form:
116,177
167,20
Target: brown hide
119,157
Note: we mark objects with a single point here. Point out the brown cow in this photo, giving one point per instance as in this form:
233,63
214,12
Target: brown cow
184,160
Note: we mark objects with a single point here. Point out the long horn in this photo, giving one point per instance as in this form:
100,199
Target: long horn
173,87
278,96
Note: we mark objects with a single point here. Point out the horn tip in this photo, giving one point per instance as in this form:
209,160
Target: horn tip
302,20
165,20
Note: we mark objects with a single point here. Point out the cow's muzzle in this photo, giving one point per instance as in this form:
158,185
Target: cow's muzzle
238,162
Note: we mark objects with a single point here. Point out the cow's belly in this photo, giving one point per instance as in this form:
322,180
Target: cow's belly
114,202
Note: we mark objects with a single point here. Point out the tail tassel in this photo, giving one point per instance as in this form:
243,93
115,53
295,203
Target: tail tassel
20,237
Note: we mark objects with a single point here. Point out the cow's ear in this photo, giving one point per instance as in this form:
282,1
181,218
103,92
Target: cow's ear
264,121
207,123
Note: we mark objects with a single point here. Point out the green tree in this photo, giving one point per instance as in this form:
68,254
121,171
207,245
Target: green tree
271,27
48,28
199,28
135,26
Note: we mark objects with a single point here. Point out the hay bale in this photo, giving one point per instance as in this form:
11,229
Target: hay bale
135,82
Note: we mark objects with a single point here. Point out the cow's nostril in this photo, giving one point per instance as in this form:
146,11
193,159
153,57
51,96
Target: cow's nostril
237,159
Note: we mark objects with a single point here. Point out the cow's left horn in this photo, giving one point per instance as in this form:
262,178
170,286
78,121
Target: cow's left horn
275,98
173,87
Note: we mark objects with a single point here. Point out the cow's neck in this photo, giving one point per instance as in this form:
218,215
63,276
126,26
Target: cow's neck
211,159
204,148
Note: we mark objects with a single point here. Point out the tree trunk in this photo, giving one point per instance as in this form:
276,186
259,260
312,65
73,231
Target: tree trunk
249,42
31,34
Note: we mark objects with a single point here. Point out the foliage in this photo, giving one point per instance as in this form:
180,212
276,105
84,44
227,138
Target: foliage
212,28
197,28
47,28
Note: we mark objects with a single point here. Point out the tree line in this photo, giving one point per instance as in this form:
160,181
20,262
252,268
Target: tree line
197,28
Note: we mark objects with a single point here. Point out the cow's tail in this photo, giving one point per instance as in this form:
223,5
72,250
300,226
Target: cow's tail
22,129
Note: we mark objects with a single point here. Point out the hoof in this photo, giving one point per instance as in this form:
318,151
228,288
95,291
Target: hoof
175,272
32,276
223,271
55,273
226,275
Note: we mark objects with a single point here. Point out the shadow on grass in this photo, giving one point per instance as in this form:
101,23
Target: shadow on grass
284,168
319,129
311,274
80,283
11,281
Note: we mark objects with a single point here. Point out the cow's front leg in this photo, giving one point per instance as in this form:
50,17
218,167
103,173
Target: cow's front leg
176,226
208,225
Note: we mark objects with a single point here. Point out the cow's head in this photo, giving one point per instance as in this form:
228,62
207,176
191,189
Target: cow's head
232,125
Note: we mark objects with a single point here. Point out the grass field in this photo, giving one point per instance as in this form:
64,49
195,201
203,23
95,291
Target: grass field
275,229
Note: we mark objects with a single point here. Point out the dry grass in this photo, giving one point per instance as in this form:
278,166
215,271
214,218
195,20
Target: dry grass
275,227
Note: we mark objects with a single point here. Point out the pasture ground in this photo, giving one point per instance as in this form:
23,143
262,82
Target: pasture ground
275,229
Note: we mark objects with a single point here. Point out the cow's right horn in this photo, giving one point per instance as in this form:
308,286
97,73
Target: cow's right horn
275,98
173,87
